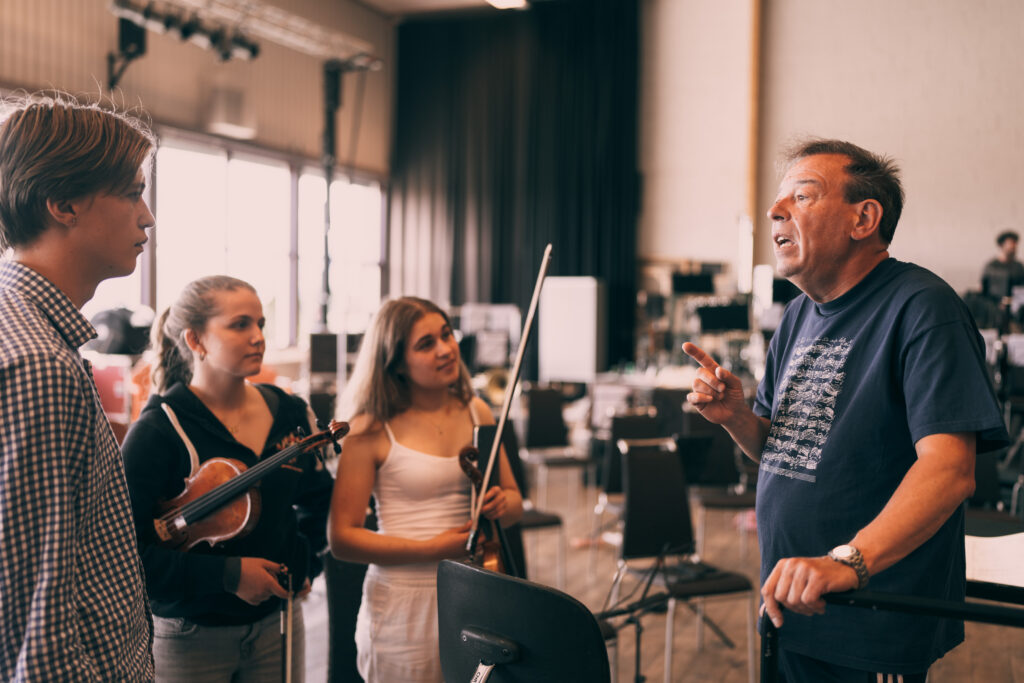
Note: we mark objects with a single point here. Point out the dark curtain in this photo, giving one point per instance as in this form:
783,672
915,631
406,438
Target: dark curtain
515,129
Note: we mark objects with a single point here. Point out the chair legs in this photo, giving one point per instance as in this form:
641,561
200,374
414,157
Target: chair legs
670,621
613,592
670,634
701,531
560,554
577,488
562,541
613,658
542,486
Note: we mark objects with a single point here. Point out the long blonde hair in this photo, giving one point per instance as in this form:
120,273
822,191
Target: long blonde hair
377,388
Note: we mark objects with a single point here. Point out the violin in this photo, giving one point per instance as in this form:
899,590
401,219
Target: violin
489,554
510,388
220,501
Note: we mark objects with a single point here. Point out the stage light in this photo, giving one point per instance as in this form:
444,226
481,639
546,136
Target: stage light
243,48
172,25
153,20
189,28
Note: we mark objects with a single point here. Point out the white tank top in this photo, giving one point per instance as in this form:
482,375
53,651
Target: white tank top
418,496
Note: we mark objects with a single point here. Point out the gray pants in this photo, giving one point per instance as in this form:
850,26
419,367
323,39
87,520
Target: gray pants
186,652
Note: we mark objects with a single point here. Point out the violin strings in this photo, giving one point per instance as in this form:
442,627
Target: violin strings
204,505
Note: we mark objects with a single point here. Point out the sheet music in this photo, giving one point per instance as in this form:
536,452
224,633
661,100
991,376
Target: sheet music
996,559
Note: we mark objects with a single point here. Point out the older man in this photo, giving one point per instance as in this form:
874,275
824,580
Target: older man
866,424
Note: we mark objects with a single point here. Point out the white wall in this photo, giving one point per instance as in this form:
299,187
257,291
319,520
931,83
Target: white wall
694,118
64,44
937,84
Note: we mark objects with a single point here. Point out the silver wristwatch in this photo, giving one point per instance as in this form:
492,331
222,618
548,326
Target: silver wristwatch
851,557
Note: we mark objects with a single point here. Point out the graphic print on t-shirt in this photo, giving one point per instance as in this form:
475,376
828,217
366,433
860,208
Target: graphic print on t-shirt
809,389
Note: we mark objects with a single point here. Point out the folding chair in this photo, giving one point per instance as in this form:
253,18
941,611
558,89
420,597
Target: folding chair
520,631
546,439
534,519
719,477
657,526
636,423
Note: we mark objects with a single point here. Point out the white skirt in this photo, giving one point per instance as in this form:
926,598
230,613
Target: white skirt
396,631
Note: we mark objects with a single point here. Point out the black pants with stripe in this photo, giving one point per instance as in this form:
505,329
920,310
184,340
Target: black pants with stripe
797,668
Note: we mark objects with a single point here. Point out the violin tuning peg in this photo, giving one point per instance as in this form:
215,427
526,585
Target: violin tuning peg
301,431
337,449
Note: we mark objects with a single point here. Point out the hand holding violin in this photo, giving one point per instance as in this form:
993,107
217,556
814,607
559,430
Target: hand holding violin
495,503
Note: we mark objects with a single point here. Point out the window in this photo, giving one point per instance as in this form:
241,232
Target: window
221,215
355,248
232,213
225,211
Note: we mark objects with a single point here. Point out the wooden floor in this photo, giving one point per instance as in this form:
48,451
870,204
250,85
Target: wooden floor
991,654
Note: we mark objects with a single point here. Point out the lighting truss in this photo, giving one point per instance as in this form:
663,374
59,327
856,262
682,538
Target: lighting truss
230,26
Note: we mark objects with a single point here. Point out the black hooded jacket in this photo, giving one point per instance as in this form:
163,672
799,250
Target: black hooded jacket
292,522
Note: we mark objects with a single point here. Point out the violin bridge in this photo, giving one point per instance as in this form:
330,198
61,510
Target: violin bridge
165,529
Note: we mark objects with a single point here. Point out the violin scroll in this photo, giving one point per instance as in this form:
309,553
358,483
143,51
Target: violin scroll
468,457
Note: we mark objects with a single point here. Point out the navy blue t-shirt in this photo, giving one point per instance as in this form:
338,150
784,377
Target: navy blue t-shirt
850,386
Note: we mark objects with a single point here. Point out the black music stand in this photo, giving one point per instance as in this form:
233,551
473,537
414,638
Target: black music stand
501,629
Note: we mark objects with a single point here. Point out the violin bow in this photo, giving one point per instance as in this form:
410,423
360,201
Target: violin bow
286,634
510,389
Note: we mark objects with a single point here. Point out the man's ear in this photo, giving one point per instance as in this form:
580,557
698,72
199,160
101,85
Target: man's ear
869,216
62,211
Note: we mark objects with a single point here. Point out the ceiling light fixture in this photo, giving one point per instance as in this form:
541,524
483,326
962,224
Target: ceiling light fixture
508,4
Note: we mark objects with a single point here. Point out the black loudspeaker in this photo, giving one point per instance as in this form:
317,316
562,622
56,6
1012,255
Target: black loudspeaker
323,352
323,374
323,405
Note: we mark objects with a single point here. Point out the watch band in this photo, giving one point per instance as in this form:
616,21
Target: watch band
851,557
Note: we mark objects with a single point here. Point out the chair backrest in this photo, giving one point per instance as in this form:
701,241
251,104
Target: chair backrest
703,464
549,636
607,400
669,403
657,518
545,424
641,423
711,456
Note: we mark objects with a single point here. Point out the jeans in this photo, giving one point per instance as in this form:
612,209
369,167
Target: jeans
186,652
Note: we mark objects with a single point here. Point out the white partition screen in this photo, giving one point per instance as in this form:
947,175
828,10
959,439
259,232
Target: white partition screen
571,322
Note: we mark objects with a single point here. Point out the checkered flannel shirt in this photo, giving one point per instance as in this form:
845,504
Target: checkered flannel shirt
72,598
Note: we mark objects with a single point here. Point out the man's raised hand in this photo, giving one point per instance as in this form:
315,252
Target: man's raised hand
717,393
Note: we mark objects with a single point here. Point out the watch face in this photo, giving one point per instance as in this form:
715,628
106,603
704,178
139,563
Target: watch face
843,551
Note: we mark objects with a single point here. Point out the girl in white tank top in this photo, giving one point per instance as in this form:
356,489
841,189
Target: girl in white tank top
414,411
